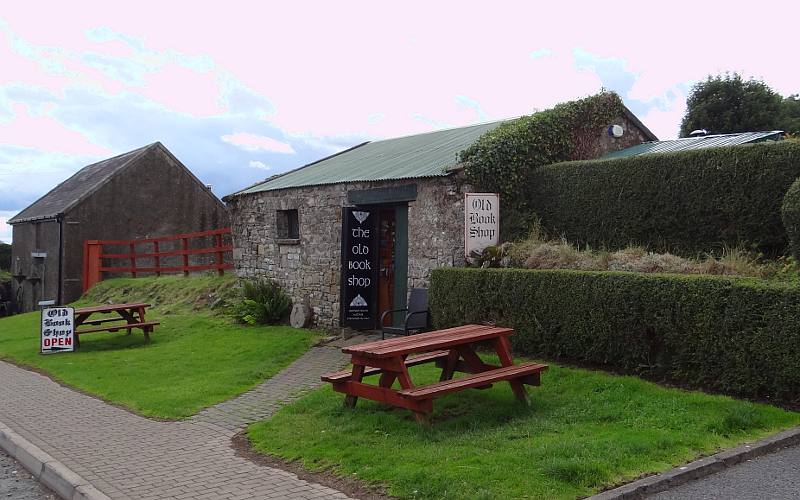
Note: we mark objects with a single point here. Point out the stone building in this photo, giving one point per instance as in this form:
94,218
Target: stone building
143,193
397,203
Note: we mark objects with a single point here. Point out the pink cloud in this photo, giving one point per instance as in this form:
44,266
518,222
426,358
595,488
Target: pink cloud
46,134
328,73
254,142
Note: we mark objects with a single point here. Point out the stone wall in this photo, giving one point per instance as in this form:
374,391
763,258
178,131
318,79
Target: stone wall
310,266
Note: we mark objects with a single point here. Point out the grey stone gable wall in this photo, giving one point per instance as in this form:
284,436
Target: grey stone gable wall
311,267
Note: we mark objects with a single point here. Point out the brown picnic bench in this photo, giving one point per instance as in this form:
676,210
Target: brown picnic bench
124,317
452,349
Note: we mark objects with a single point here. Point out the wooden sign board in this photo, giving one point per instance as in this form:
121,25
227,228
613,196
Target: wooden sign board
58,330
481,221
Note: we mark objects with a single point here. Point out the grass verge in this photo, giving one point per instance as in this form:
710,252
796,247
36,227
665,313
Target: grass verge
197,357
584,431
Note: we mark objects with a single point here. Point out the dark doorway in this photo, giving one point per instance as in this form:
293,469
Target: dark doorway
392,261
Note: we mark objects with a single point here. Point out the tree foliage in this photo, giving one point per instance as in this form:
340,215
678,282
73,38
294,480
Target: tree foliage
790,119
727,103
5,256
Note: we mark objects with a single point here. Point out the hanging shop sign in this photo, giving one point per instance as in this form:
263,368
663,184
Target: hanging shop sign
481,221
58,330
359,278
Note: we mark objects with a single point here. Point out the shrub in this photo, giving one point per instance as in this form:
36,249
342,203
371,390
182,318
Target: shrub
735,335
790,210
688,203
263,302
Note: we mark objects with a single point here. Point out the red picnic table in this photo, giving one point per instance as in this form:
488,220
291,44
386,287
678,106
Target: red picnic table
452,349
126,317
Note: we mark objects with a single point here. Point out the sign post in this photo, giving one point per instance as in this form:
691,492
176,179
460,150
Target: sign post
57,330
481,221
359,278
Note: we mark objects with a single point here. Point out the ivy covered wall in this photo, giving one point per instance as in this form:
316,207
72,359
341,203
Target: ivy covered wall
502,160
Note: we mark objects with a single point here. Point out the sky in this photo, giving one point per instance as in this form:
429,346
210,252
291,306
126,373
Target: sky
239,91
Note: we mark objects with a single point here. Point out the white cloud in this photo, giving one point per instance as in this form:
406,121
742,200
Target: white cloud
255,142
665,121
5,229
259,165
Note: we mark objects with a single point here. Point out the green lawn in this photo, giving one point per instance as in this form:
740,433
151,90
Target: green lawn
195,359
584,430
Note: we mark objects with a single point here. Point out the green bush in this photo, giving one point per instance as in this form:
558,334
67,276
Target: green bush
263,303
734,335
791,217
688,202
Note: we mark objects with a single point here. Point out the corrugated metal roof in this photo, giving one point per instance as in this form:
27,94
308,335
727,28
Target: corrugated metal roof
84,182
424,155
689,143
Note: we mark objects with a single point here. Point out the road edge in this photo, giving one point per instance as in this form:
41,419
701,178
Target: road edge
702,467
49,471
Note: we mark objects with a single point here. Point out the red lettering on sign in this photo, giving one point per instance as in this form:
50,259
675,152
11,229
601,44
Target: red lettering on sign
47,342
68,341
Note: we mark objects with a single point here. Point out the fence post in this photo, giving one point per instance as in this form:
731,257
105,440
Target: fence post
92,262
157,259
218,241
133,259
185,256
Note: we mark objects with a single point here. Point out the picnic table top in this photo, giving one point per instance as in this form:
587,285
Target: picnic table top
110,307
423,342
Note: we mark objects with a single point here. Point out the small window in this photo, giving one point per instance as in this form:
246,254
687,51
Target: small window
288,225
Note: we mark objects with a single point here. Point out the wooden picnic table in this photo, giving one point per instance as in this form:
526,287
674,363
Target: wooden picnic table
125,317
452,349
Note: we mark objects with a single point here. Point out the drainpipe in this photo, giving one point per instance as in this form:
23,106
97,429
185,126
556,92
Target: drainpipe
60,220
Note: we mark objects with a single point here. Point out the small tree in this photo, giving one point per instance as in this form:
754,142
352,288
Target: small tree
728,104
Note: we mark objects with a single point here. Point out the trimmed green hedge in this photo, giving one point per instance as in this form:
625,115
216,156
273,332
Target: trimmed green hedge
791,217
688,202
737,336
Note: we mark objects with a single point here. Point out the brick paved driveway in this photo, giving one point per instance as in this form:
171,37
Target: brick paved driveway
128,456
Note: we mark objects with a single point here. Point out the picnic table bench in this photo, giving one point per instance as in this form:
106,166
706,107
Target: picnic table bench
452,349
127,317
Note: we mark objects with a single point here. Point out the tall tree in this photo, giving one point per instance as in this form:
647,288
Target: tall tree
727,103
790,122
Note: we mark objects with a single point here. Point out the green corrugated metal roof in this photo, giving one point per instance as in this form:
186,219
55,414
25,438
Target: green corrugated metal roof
688,143
424,155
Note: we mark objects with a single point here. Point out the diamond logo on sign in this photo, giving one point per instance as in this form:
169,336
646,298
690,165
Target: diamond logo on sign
361,216
358,301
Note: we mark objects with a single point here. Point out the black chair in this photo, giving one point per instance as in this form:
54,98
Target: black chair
417,317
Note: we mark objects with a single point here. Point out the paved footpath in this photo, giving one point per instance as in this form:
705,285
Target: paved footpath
127,456
775,476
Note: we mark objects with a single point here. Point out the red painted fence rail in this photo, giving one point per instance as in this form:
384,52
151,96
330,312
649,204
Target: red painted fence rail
210,245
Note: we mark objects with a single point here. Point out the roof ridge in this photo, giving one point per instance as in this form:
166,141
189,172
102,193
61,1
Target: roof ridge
447,129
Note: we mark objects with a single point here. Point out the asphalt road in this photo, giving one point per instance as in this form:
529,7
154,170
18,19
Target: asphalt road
17,483
772,477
